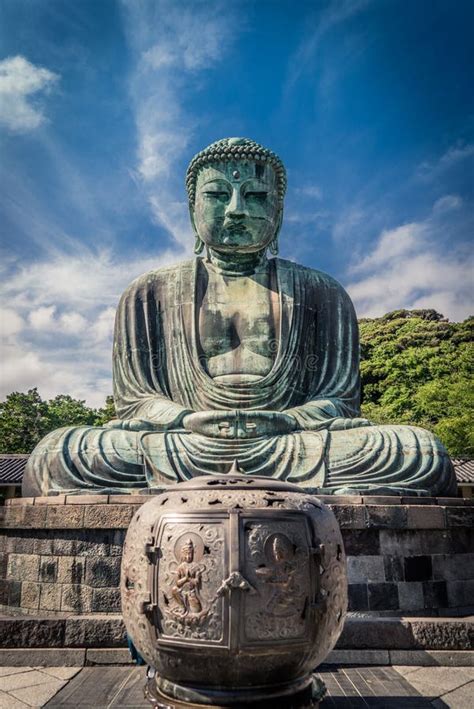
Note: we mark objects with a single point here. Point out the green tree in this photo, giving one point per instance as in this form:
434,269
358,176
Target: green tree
23,421
106,413
416,368
25,418
63,410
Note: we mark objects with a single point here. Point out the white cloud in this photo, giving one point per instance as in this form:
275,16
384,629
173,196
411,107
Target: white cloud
158,150
20,84
447,203
58,328
408,268
393,244
103,327
453,156
46,318
10,322
177,37
42,318
456,153
78,282
72,323
24,368
313,191
301,217
347,222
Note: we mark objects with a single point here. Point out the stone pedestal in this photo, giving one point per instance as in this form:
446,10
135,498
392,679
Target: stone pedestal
406,556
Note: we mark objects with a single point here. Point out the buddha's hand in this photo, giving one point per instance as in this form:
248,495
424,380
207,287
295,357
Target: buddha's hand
133,425
239,424
342,424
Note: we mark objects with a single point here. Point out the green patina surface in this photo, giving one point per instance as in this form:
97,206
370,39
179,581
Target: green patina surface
237,356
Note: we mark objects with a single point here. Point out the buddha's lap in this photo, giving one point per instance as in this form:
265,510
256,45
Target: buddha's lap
401,458
371,441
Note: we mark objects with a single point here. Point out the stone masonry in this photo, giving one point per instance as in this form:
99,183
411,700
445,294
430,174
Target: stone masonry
406,556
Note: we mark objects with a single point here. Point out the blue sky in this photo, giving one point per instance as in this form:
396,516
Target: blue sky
103,103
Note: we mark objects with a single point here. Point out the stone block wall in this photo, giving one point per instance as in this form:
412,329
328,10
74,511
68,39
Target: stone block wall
59,554
409,559
406,556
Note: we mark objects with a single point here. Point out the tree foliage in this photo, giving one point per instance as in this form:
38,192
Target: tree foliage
416,368
26,418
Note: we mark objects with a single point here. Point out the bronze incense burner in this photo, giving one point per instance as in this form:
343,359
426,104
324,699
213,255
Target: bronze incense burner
234,589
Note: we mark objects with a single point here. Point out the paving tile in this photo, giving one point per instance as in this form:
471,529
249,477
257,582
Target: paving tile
460,698
61,672
5,671
22,679
406,669
376,687
131,693
38,695
9,702
92,687
436,681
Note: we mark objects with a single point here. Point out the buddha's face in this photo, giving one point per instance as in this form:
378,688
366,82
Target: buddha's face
237,206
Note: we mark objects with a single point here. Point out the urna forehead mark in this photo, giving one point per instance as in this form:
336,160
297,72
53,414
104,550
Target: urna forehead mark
236,171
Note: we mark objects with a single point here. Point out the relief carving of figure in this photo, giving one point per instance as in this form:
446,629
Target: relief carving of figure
186,604
279,574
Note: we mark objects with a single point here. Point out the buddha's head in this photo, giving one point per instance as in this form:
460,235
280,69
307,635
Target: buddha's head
236,189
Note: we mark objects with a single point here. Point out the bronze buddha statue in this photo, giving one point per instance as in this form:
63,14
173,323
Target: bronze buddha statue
237,356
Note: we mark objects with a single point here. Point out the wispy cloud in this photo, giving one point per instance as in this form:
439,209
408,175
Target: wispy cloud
408,268
447,203
335,13
309,191
21,85
454,155
173,46
349,221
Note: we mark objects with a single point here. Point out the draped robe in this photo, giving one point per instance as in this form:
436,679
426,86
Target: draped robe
159,376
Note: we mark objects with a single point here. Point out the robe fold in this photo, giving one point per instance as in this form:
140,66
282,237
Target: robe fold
160,376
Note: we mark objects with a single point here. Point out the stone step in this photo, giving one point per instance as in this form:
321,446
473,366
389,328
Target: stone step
361,633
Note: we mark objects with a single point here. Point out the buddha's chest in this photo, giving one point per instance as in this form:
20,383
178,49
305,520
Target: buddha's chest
236,325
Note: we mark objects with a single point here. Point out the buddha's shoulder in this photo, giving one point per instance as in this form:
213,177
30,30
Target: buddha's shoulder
310,275
160,276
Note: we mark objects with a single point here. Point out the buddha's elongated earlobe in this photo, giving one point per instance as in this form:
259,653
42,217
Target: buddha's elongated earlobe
273,246
198,245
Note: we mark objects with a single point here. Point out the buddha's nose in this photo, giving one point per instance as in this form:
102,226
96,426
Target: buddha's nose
236,207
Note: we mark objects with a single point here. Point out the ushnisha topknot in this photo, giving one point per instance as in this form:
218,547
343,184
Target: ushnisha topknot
234,149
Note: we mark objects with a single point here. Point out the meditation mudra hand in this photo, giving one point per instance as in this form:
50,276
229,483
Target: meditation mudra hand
239,424
237,356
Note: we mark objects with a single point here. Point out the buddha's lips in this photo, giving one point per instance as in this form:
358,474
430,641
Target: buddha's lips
237,230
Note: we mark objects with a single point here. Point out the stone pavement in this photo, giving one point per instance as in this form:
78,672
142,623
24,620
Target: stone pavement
348,687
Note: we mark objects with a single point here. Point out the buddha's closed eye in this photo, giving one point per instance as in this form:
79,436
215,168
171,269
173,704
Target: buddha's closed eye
258,196
221,196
